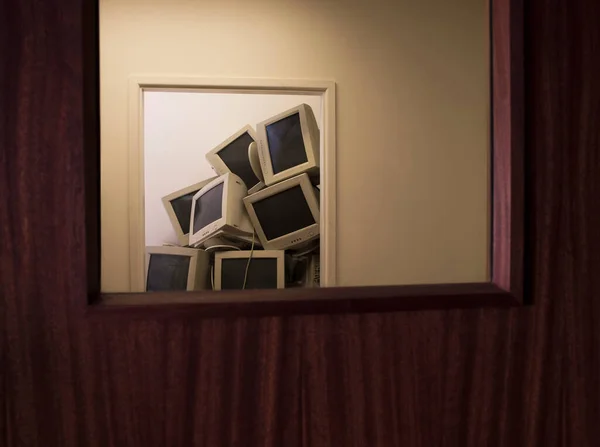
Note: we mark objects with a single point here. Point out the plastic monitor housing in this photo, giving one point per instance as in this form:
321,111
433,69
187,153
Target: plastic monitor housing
182,238
241,242
257,254
296,238
312,277
199,268
234,218
221,168
311,139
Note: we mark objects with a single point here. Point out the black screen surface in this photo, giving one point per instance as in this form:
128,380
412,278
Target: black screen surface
283,213
286,144
182,206
235,156
209,207
262,273
167,272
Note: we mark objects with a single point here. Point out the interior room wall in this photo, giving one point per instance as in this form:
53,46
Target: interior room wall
412,117
181,127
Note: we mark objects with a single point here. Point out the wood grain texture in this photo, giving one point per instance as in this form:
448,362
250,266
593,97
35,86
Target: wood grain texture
296,301
526,376
508,126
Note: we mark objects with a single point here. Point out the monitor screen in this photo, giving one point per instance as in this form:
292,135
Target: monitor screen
283,213
262,273
167,272
209,207
235,156
182,207
286,144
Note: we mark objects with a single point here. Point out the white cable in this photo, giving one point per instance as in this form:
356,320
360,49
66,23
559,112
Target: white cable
249,259
222,248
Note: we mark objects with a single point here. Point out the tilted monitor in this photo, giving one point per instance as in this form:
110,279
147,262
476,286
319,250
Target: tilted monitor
218,209
285,215
288,144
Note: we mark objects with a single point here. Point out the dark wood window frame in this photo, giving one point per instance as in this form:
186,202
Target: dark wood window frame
504,290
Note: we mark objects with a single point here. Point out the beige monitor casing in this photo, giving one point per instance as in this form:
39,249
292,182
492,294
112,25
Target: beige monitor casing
277,254
221,168
234,219
310,135
296,238
199,269
182,238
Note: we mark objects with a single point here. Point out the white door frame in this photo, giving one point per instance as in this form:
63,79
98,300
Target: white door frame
164,83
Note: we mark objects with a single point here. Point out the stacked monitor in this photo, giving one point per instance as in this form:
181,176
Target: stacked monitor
234,155
178,205
218,208
176,269
263,269
264,199
285,215
288,144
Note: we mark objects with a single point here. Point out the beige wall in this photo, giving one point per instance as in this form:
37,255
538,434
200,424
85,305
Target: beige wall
412,117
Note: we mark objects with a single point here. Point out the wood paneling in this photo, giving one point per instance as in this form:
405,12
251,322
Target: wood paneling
229,303
508,135
525,376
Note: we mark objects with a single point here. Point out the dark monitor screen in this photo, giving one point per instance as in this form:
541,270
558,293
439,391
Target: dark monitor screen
182,206
209,207
235,156
283,213
262,273
167,272
286,144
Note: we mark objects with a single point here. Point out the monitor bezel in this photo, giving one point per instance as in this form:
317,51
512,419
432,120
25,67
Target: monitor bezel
229,215
219,165
297,237
193,282
310,136
278,254
196,238
182,238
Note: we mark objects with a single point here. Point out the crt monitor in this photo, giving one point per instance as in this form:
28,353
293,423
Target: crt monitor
265,270
285,215
176,269
178,205
234,155
218,209
288,144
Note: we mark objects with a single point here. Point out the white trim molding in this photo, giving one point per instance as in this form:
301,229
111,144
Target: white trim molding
139,84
